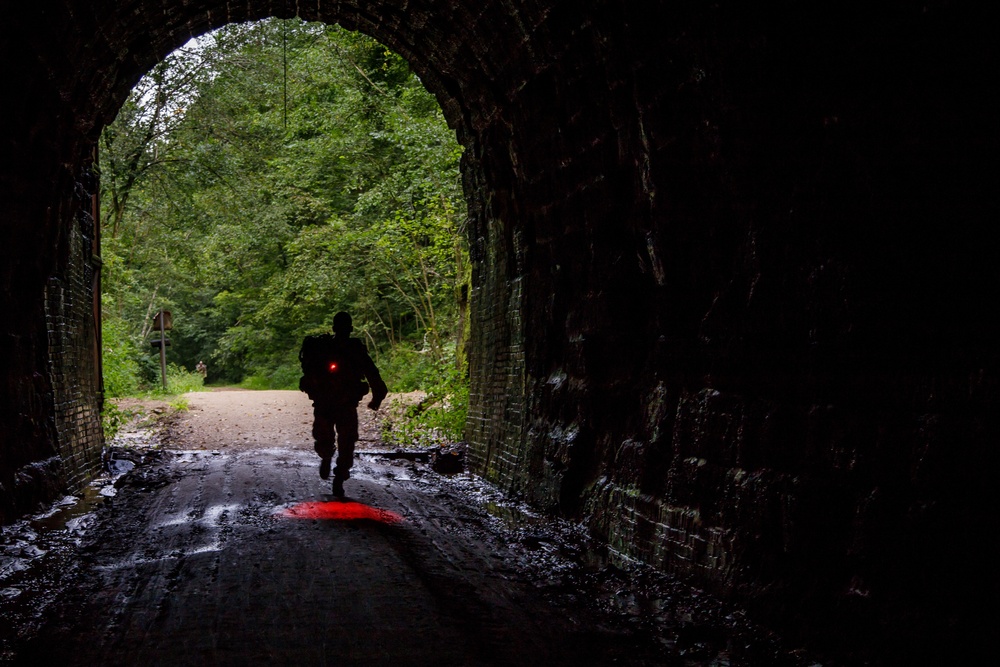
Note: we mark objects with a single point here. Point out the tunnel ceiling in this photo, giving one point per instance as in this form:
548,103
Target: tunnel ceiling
461,49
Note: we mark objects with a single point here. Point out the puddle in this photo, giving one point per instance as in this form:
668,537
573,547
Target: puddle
67,514
40,552
36,556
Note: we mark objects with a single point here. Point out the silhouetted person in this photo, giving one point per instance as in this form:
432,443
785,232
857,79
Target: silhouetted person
334,370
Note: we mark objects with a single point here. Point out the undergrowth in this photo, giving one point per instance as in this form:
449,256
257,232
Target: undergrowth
438,418
180,381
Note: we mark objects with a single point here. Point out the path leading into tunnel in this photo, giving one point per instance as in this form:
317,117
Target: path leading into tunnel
227,549
224,547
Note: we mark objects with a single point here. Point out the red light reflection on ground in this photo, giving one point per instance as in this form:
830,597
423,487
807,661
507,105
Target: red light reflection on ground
339,510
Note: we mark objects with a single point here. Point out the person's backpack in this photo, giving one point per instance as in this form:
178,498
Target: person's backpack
331,368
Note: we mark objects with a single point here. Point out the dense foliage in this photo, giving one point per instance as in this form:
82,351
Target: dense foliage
261,179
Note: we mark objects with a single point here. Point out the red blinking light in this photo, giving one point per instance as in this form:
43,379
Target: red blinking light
333,366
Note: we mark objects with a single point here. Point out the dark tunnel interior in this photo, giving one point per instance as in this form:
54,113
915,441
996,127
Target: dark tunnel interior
732,290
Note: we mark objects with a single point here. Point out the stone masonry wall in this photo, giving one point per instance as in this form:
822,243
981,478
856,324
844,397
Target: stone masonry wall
755,304
497,411
73,347
49,429
34,184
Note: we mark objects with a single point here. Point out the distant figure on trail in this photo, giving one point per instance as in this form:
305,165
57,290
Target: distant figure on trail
334,370
202,370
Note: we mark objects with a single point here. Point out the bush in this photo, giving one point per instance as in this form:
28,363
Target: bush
406,369
119,355
282,377
440,417
113,418
180,380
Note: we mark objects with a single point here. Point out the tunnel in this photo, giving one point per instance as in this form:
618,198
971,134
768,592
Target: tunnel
733,288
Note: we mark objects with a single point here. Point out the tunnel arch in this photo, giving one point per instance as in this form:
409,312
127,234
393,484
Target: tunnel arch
114,70
461,52
728,286
105,49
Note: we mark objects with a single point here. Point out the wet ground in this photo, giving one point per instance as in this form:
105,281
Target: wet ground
222,546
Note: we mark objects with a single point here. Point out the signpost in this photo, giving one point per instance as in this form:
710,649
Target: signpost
163,321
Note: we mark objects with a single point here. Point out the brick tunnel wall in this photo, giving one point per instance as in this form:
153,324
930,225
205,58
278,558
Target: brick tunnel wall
734,304
59,450
74,366
50,393
732,296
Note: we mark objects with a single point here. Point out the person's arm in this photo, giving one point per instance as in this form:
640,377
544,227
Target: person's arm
304,382
379,390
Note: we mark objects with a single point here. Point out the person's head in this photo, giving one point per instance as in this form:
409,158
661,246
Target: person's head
342,323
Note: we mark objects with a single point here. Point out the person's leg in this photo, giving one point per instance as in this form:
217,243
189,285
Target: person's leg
325,436
347,434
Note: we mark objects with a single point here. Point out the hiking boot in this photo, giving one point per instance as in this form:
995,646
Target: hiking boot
338,487
324,468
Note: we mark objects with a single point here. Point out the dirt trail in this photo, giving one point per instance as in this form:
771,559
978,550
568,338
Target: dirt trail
237,420
224,547
196,562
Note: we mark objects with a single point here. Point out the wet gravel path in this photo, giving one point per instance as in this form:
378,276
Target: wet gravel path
225,548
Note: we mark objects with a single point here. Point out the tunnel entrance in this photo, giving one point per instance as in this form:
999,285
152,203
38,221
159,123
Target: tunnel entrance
730,299
75,404
271,174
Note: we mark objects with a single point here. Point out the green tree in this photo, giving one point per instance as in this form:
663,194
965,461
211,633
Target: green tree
271,174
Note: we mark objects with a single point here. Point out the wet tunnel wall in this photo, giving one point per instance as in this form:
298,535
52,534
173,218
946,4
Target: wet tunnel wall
732,284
